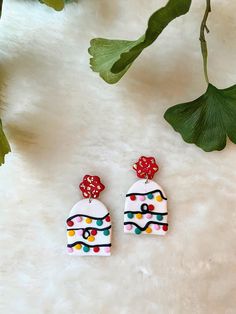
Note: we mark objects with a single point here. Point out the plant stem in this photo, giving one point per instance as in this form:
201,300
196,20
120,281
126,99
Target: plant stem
202,38
1,2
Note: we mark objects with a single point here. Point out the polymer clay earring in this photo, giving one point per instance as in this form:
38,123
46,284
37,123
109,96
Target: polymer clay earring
146,203
89,223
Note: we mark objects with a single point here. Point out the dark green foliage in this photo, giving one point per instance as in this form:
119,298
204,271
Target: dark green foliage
208,120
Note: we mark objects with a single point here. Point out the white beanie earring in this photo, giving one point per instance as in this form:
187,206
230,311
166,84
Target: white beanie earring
146,203
89,222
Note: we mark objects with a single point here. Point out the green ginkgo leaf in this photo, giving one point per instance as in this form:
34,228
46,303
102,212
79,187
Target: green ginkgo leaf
105,52
4,145
208,120
58,5
112,58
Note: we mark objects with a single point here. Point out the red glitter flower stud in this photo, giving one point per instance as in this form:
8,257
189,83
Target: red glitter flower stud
146,167
91,186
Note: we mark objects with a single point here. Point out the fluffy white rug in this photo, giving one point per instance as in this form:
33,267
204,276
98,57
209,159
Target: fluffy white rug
63,121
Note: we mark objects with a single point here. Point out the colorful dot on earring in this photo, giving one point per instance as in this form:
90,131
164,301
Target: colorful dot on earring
86,249
80,232
69,250
139,216
148,216
78,246
148,230
108,219
159,217
99,222
150,196
70,223
79,219
107,249
106,232
128,227
151,207
156,227
91,238
132,197
137,231
141,198
88,220
158,198
94,232
71,233
165,228
130,215
96,249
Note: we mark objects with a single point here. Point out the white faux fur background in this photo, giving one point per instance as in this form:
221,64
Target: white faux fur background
63,121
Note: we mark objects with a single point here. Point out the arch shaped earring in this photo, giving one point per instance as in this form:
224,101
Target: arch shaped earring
146,203
89,222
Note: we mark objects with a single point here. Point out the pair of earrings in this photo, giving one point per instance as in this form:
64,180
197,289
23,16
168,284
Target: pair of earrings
89,223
